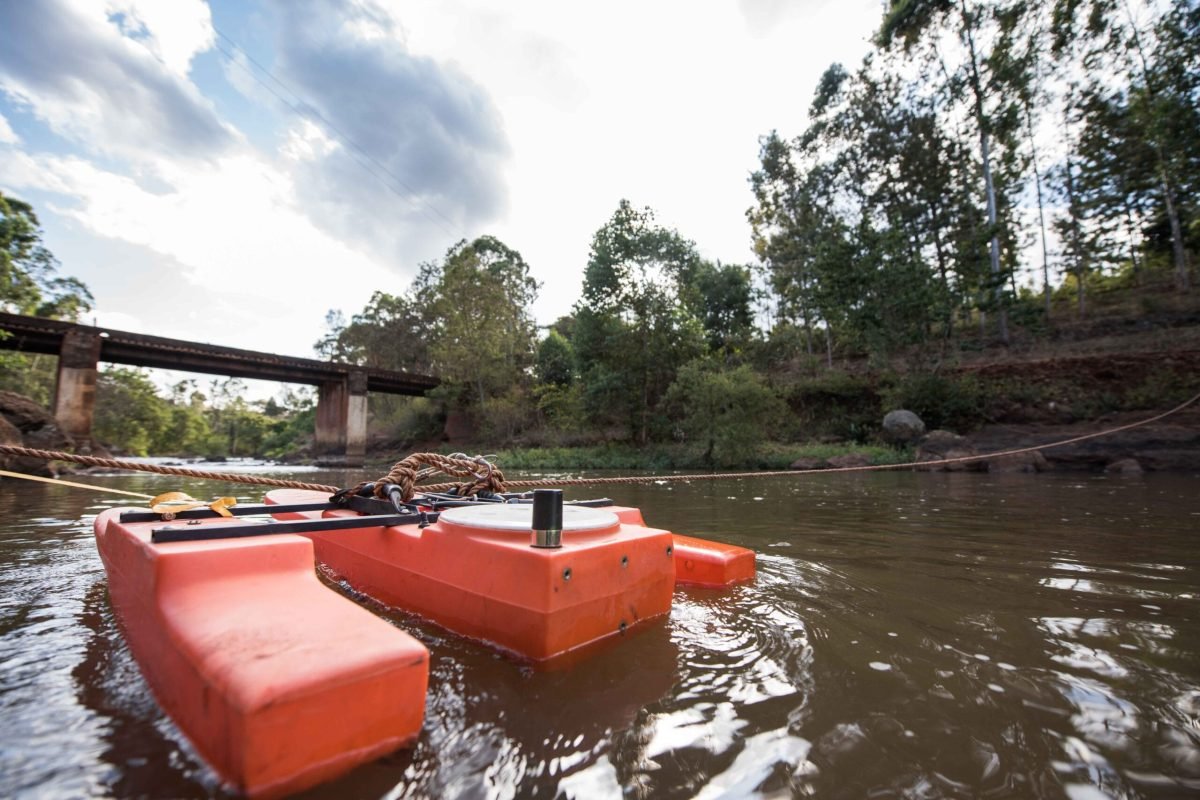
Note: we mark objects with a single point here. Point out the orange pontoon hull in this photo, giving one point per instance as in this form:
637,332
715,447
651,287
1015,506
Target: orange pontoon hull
702,562
491,584
279,682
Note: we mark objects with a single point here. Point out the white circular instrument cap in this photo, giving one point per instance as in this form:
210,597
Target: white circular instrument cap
514,517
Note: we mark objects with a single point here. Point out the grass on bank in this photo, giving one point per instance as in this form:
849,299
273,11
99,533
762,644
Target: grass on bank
657,458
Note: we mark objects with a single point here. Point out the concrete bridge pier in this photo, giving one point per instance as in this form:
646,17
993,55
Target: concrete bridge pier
75,388
341,434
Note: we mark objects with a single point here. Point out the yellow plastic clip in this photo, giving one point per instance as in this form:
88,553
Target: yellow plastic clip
171,503
221,505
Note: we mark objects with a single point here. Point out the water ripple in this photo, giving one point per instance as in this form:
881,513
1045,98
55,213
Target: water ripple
914,636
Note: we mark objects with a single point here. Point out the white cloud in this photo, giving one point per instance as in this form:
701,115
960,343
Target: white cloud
422,146
7,134
174,32
306,142
248,269
661,103
75,70
525,121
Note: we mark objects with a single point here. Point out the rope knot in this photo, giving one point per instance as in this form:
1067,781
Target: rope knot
485,476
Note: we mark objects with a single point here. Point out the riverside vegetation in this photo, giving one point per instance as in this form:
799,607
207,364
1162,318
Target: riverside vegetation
1000,190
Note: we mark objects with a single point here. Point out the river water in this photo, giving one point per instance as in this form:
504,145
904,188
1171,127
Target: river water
908,635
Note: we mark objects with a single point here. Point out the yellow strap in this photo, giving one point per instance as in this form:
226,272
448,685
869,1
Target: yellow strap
221,505
58,482
174,502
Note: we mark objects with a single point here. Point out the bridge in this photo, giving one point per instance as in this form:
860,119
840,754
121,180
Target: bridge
341,424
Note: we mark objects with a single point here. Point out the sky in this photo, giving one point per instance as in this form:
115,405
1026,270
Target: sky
228,172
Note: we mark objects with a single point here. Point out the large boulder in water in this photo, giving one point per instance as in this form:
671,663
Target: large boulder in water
902,427
1019,462
940,445
35,428
1125,466
850,460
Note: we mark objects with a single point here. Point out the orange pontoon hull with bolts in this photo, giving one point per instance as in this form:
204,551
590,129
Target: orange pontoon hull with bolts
474,571
278,682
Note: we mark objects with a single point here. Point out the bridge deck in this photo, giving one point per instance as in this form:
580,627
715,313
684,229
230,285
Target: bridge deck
36,335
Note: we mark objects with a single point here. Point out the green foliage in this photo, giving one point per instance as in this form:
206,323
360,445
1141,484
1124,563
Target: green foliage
29,374
466,319
555,361
29,283
941,401
507,416
653,458
1160,388
408,419
129,411
391,332
482,333
560,406
720,296
727,411
834,404
132,416
634,326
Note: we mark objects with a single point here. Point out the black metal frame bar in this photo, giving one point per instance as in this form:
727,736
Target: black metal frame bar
371,512
201,533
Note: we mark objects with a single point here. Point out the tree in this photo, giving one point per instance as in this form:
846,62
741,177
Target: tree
129,413
633,325
726,410
720,295
482,331
1161,101
29,283
555,363
391,332
909,22
857,219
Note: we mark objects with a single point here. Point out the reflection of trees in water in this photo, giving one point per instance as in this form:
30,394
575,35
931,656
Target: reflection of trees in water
148,754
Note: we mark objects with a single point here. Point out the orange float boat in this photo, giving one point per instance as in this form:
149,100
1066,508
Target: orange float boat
281,683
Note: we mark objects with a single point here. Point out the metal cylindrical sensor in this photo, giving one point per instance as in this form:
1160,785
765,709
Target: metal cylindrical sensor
547,517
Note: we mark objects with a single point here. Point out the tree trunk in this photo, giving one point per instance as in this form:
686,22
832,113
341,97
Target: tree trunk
1131,232
1182,279
1037,182
1079,257
988,181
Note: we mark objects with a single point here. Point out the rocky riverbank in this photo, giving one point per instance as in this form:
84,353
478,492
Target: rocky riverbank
1167,445
24,423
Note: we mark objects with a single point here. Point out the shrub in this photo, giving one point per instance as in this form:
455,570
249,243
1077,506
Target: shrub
725,411
835,403
940,401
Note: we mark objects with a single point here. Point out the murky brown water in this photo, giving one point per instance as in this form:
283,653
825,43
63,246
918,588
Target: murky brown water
909,635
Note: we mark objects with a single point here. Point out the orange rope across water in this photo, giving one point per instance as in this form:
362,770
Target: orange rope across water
467,466
115,463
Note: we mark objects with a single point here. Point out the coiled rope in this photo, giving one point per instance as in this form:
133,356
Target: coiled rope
487,477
